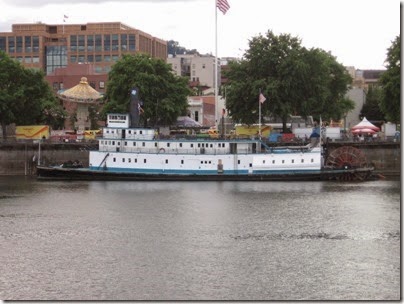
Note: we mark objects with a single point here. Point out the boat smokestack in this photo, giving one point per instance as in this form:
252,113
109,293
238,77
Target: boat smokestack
134,107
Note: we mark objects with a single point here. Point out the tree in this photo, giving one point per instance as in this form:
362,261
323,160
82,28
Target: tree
295,80
164,94
371,109
174,48
391,81
25,95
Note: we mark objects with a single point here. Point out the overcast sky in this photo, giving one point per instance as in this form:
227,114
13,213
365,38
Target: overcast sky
356,32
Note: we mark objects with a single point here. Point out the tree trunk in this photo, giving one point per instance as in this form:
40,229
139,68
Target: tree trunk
284,121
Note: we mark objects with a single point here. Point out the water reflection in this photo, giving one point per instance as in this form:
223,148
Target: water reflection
199,241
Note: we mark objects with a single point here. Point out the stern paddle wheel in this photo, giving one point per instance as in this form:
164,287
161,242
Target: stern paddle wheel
350,159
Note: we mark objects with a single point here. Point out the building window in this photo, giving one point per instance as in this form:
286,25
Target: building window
28,44
19,44
132,42
115,42
3,44
35,44
90,43
73,43
102,85
124,42
11,44
107,42
81,43
98,42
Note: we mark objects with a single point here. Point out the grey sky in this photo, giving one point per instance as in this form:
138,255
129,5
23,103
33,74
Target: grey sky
357,32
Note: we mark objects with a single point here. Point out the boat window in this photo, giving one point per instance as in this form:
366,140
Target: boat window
155,144
250,165
168,144
201,161
135,160
302,160
239,162
210,162
129,160
211,145
192,145
224,145
283,161
166,161
312,160
273,161
123,160
199,145
140,132
119,143
113,143
114,159
293,161
143,144
126,143
144,160
182,161
263,161
181,145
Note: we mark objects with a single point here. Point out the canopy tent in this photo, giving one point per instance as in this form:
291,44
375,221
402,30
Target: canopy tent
81,93
364,131
365,124
185,121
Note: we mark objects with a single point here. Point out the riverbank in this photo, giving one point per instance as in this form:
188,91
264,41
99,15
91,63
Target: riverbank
22,158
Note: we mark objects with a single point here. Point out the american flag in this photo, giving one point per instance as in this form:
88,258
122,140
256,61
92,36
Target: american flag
222,5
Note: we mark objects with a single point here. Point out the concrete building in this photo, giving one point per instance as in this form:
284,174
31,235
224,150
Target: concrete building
362,81
199,69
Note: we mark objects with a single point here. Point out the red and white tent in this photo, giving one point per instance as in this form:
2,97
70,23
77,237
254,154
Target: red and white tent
364,126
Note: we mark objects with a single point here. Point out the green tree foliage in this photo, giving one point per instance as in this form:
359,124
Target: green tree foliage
371,109
174,48
295,81
164,94
390,81
25,96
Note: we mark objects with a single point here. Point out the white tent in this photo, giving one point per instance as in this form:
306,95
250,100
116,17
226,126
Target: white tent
365,124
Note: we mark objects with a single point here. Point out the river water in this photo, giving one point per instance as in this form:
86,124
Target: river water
199,240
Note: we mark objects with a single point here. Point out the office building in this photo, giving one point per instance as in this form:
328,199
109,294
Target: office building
48,47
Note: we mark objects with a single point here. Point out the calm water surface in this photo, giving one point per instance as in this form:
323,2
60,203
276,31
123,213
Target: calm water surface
199,241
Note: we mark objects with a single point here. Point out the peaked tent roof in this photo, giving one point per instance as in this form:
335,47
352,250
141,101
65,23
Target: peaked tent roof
82,93
365,124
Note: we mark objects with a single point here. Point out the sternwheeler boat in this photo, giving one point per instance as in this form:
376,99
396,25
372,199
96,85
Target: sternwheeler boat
140,154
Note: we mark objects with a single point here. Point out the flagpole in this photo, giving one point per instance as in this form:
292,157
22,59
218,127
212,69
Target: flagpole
259,114
216,69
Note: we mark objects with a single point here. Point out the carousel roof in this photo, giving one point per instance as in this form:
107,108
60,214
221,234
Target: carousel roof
81,93
365,124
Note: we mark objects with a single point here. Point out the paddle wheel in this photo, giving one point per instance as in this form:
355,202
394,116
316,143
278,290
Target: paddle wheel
348,158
